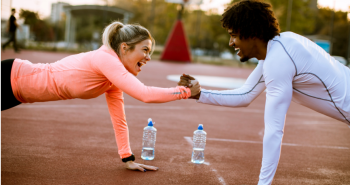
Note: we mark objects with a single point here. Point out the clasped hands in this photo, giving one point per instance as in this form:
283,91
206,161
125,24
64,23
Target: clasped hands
190,82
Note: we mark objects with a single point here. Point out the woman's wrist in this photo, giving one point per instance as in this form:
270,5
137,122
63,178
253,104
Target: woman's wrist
130,158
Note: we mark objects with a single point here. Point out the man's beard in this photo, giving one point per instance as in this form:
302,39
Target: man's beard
244,59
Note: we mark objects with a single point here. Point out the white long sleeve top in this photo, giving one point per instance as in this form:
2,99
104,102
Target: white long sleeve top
297,69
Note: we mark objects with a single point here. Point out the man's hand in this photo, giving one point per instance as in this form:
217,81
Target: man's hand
185,80
190,82
131,165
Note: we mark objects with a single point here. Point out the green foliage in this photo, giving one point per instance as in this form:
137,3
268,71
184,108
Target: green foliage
302,17
306,21
203,29
165,15
340,29
40,29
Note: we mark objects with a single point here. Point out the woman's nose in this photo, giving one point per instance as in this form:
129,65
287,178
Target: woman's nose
148,57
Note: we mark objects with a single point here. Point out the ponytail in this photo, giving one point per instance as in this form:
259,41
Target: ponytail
109,32
132,34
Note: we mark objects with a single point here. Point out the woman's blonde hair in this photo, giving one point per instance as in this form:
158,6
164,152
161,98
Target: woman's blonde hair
132,34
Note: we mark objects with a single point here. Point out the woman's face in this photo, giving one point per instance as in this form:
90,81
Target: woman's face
133,60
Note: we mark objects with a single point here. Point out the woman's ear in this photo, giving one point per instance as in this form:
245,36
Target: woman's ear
123,48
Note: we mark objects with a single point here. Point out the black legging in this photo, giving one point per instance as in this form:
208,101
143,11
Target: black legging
8,100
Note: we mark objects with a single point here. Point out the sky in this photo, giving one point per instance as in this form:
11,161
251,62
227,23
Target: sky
44,6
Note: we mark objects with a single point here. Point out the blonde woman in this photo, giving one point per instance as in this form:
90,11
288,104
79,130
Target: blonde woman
110,70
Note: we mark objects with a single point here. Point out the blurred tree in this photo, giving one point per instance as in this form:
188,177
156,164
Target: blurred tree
306,21
302,19
40,29
210,33
164,16
340,29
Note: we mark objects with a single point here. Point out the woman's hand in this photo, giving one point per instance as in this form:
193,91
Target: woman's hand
131,165
190,82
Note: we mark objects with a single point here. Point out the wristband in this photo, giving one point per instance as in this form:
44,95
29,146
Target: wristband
130,158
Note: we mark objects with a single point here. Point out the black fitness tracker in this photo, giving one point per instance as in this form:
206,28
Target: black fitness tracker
131,158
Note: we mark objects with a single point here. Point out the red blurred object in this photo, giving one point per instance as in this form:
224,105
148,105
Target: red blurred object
176,48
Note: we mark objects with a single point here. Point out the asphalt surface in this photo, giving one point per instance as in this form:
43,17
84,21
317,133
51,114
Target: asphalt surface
72,141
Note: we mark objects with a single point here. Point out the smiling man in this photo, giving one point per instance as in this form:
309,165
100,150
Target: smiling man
290,67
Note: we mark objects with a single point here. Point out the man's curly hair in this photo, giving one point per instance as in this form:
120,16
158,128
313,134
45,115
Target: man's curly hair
251,18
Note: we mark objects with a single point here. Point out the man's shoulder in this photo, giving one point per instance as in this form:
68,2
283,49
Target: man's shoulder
289,40
12,17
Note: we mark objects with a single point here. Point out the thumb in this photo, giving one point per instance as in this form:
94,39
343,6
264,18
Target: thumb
194,82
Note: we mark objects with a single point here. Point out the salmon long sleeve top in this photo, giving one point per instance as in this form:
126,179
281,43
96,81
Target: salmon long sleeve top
88,75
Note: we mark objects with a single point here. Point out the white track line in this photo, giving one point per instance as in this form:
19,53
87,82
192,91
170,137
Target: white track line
287,144
214,108
261,133
221,180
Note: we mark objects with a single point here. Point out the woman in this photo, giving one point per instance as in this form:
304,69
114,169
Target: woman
111,70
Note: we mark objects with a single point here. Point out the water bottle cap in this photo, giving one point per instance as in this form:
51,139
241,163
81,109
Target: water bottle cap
150,123
200,127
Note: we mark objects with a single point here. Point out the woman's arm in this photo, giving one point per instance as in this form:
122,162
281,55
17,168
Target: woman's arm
240,97
116,73
115,102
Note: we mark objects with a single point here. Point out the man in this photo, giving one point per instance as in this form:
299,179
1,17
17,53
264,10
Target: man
290,66
11,28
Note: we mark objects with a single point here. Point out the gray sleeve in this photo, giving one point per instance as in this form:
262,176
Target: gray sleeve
240,97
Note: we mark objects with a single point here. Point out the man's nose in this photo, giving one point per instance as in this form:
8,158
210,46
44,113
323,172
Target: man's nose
231,42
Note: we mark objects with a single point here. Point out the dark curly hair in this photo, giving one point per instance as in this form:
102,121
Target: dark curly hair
251,18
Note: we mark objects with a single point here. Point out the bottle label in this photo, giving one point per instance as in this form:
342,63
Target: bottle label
149,138
199,140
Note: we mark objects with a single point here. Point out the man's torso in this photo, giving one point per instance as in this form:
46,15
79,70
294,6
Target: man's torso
320,82
13,26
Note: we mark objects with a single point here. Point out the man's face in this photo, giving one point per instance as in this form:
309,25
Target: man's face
245,46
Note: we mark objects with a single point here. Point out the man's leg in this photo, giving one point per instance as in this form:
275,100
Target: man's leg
15,42
8,42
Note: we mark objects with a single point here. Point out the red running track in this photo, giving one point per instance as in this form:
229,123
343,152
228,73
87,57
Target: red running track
72,141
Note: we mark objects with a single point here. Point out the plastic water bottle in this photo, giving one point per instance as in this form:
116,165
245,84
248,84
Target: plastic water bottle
148,141
199,139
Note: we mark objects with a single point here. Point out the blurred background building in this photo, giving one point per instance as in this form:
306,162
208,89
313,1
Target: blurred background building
57,11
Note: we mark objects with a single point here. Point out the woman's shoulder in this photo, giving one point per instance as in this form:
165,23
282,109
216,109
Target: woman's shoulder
104,58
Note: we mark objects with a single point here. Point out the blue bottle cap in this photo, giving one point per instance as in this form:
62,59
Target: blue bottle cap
150,123
200,127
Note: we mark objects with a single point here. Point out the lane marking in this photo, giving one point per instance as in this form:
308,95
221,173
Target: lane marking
214,108
286,144
221,180
261,133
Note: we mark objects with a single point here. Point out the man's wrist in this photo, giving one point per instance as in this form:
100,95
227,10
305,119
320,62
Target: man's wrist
197,96
130,158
